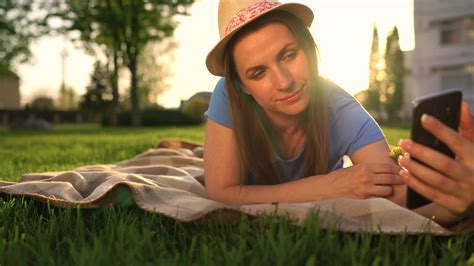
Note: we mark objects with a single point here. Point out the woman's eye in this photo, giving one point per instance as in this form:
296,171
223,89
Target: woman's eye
258,75
289,56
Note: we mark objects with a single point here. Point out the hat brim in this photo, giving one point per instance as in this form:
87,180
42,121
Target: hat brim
215,58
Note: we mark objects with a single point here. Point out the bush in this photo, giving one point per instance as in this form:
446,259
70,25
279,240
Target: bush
196,107
155,117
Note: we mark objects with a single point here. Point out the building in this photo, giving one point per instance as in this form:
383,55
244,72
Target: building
9,90
443,57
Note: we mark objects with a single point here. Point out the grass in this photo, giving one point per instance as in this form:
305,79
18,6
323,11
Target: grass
35,233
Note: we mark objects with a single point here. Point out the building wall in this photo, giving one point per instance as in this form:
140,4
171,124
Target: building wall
441,59
9,92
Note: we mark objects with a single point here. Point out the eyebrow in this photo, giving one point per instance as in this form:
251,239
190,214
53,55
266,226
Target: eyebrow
279,55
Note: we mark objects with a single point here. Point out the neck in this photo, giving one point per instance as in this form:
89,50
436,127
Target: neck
290,137
285,125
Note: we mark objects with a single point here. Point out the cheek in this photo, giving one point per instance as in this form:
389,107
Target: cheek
301,68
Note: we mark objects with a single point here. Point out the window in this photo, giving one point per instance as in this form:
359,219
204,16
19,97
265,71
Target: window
457,31
450,33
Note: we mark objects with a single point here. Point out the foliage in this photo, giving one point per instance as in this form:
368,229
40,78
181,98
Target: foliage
34,233
18,28
373,93
97,100
156,117
41,103
394,71
68,99
384,97
196,107
144,22
94,22
126,25
370,98
154,71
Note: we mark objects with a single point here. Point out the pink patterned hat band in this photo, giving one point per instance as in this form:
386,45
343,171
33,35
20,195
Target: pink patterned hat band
248,13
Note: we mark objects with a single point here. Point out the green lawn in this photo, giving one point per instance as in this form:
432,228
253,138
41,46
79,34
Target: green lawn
34,233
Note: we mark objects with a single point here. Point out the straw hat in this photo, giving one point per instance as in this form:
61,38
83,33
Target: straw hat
234,14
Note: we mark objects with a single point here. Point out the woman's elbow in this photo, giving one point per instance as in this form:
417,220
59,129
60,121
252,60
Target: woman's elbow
213,194
222,195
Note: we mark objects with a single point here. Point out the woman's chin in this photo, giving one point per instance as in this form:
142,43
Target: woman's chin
295,108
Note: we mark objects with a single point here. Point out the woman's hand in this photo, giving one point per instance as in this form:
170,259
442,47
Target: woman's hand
449,182
365,180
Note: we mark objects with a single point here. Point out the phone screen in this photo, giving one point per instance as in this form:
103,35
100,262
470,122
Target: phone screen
445,106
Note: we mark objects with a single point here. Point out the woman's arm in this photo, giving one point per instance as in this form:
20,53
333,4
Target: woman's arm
224,184
223,175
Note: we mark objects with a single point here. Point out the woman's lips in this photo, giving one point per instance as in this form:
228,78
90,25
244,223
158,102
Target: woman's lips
292,97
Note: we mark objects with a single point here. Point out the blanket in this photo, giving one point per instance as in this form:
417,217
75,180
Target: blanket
170,180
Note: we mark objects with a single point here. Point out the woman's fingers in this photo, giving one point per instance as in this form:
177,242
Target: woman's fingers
434,159
447,200
387,179
429,176
466,124
450,137
380,191
383,168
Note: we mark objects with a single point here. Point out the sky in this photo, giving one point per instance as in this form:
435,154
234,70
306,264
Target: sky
342,30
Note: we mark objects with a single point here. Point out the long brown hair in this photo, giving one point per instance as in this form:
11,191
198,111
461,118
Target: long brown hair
257,145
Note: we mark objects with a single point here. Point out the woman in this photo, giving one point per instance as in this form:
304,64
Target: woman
276,130
449,182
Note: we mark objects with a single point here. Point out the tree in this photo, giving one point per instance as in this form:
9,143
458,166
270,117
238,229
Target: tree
126,25
97,100
41,103
154,71
372,97
17,31
394,74
95,22
67,98
144,22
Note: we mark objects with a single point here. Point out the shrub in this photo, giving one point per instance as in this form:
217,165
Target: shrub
155,117
196,107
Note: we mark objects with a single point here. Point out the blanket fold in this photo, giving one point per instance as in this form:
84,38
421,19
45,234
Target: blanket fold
171,182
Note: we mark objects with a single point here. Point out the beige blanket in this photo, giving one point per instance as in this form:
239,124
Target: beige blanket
170,182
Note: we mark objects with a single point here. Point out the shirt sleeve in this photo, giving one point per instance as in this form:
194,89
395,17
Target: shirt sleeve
354,126
219,106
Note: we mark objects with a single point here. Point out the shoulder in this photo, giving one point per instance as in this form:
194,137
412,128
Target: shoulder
219,106
220,88
338,99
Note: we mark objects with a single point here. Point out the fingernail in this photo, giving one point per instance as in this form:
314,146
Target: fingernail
403,174
405,144
401,160
426,118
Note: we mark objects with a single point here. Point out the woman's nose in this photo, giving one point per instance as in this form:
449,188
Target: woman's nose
283,79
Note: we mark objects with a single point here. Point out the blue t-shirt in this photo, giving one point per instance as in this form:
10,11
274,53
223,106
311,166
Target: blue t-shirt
350,128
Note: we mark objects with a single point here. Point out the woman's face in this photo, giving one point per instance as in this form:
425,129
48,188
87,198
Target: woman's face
273,69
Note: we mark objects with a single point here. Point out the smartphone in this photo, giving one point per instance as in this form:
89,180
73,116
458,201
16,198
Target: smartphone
446,107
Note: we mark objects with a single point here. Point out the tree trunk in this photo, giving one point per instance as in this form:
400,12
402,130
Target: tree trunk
115,92
134,97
